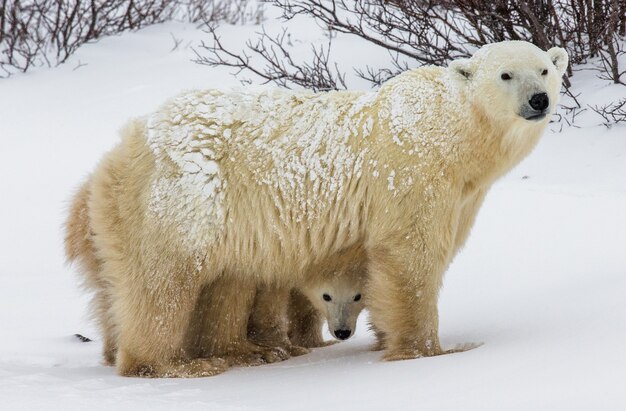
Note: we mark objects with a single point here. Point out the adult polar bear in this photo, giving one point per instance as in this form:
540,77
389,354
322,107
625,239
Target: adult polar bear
230,190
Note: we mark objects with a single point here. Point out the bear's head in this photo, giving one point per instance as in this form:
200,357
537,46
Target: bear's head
339,300
512,80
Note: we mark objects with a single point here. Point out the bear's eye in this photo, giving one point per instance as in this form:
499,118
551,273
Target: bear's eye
357,297
506,76
326,297
544,72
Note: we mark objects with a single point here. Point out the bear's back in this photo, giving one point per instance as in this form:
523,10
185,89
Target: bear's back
300,146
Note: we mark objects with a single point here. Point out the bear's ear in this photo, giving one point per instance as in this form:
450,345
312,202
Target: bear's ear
559,58
462,68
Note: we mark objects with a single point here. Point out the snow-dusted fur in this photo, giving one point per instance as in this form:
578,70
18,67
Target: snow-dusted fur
225,192
288,321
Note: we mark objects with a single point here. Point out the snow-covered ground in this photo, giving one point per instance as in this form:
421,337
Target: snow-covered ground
541,282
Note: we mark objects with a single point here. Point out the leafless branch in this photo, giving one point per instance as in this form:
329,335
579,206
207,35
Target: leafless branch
612,113
269,58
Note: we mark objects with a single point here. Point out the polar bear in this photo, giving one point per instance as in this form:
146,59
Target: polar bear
251,188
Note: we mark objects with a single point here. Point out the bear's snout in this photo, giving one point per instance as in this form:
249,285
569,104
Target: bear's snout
343,334
539,101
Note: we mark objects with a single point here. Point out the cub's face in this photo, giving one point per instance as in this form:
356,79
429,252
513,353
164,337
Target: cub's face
340,301
513,80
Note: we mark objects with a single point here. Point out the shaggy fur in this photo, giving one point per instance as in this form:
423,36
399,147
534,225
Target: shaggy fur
226,192
281,319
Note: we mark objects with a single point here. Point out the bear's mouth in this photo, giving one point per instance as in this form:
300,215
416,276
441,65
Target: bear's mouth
536,117
531,114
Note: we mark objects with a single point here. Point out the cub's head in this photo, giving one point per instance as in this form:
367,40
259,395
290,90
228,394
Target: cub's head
512,80
340,300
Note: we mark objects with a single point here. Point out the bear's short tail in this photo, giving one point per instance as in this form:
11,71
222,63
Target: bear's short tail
78,242
77,225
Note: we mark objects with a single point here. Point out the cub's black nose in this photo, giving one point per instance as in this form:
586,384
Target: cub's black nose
343,334
539,101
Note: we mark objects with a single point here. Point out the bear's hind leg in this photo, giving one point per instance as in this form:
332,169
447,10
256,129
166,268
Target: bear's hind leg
153,314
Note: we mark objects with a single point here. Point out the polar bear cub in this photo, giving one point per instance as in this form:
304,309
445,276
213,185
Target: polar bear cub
293,318
337,299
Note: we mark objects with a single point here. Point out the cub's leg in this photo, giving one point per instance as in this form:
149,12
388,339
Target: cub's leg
220,325
403,302
305,322
269,321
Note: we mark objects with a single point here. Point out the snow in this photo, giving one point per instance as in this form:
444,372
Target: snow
541,281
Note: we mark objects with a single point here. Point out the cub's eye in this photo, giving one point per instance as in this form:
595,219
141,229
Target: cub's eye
544,72
357,297
326,297
506,76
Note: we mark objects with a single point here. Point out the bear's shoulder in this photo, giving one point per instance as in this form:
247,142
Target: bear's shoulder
417,103
425,75
418,87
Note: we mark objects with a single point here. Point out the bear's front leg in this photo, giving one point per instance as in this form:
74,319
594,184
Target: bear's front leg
402,299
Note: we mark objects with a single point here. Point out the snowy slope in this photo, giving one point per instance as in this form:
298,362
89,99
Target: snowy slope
542,280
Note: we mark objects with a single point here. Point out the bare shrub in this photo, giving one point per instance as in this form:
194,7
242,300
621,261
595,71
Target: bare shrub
609,56
227,11
418,32
47,32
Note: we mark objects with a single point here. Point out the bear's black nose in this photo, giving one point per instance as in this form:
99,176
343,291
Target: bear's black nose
343,334
539,101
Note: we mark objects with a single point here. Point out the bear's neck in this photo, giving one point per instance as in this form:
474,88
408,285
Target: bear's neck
490,150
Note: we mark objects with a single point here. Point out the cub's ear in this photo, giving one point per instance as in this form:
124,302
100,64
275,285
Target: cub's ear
462,68
559,58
